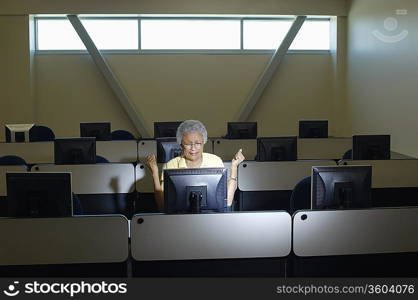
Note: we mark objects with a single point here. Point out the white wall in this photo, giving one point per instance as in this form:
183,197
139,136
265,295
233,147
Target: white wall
383,77
61,90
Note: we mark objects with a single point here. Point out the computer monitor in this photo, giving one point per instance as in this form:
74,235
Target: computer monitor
167,149
198,190
17,133
69,151
166,129
341,187
277,149
39,194
242,130
101,131
371,147
313,129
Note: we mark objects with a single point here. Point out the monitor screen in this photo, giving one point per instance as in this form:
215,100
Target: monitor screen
341,187
38,194
242,130
198,190
75,151
17,133
371,147
167,149
313,129
277,148
166,129
101,131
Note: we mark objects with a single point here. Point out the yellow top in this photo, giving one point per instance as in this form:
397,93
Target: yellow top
208,161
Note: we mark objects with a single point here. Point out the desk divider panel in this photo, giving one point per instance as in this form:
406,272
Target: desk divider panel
350,232
32,153
145,148
96,179
226,148
275,175
394,173
75,240
118,151
159,237
3,171
328,148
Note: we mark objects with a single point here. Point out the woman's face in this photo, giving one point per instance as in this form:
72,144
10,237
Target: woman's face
192,146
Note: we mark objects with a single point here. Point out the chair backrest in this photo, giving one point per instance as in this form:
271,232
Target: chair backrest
122,135
40,133
12,160
348,154
301,195
101,160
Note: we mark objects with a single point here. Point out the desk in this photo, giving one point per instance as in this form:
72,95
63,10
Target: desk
210,236
97,178
32,153
393,173
348,232
328,148
82,239
277,175
118,151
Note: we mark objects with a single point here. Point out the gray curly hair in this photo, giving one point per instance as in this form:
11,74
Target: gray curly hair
189,126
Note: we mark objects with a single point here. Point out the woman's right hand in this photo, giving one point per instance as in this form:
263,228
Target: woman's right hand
151,163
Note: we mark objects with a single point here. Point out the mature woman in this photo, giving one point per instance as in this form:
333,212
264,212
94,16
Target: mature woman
192,136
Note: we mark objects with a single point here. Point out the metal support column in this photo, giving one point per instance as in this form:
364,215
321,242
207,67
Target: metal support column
111,79
262,82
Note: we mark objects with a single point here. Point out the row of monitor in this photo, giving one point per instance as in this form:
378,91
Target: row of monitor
365,147
83,150
248,130
201,190
235,130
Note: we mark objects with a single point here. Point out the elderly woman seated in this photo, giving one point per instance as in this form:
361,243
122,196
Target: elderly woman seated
192,136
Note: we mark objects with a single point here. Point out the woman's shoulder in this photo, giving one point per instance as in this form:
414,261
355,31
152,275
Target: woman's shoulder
174,163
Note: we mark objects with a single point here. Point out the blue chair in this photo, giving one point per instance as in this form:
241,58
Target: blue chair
122,135
101,160
12,160
301,195
40,133
348,154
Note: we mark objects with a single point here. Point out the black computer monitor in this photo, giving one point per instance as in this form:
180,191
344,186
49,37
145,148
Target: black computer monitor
198,190
101,131
166,129
39,194
342,187
277,148
68,151
242,130
313,129
167,149
371,147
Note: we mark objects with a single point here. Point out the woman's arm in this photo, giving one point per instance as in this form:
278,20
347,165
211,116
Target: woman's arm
158,190
233,177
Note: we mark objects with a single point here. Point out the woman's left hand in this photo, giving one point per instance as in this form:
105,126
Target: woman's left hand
238,158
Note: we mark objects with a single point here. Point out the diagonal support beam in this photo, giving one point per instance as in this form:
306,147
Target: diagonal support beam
262,82
111,79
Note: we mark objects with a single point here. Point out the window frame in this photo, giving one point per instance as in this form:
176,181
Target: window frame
179,51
